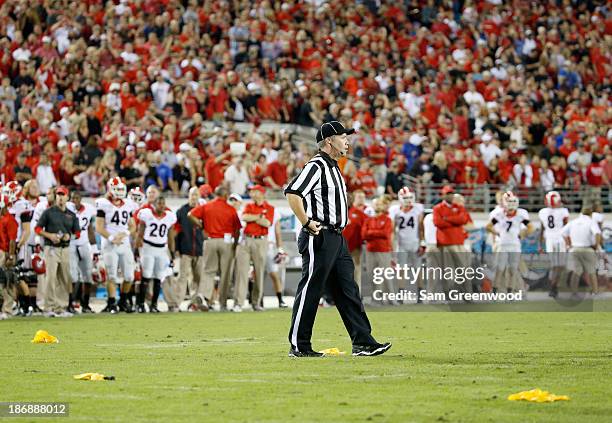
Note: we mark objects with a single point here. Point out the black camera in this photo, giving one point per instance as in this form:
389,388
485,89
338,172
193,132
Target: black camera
12,275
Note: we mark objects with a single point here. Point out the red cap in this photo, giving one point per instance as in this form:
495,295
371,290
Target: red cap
61,190
205,190
447,189
258,188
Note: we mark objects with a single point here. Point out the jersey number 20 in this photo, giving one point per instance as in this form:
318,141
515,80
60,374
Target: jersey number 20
162,230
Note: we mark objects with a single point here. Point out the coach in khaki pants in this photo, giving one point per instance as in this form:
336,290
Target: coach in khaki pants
258,216
450,217
56,225
221,225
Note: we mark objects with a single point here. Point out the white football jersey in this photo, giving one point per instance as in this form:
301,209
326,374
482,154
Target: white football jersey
22,211
598,218
41,205
497,210
553,221
407,224
509,227
131,205
271,231
429,230
156,227
86,214
116,217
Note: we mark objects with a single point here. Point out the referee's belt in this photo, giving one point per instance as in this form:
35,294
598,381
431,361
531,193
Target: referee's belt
335,229
257,236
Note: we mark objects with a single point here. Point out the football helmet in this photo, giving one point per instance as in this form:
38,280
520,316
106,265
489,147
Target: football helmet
137,195
406,196
38,264
116,188
11,192
553,199
510,201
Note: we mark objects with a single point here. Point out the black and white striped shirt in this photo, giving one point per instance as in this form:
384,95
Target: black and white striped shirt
323,190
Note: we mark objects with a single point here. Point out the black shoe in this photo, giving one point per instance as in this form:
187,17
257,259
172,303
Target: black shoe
554,292
87,310
37,309
71,309
282,304
125,307
307,353
110,308
371,350
140,308
153,309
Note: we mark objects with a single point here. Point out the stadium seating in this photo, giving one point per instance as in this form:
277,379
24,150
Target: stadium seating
477,93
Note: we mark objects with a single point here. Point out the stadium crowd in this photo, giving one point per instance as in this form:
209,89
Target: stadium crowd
468,92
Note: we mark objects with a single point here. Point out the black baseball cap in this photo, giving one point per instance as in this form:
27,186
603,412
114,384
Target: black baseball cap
329,129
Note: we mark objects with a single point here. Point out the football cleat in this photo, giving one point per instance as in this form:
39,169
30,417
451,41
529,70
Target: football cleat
153,309
110,308
371,350
140,308
308,353
86,310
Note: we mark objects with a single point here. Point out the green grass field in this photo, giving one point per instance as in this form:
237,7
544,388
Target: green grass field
443,367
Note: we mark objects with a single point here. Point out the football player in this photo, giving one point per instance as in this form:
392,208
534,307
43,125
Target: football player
408,228
8,254
155,236
82,250
276,257
510,226
33,245
115,224
553,218
135,200
21,210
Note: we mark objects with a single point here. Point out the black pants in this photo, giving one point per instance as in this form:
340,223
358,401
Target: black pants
326,262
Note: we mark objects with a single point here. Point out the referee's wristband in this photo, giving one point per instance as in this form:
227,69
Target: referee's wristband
307,223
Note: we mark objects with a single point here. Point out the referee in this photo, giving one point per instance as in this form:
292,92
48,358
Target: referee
317,196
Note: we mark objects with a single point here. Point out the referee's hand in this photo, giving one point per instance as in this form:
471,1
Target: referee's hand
314,227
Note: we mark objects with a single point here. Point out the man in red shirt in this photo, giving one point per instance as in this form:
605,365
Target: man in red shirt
377,153
364,178
8,242
258,216
215,167
352,231
221,227
450,217
278,172
377,232
596,178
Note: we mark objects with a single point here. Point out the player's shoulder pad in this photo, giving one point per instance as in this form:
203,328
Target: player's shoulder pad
542,212
102,203
523,213
143,213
